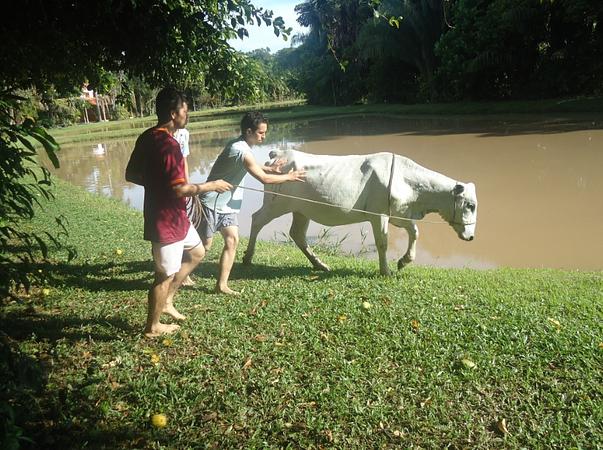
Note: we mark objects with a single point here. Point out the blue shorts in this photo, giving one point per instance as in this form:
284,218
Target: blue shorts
213,221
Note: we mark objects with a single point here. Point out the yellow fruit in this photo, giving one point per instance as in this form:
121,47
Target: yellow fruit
45,291
159,420
119,251
366,305
468,363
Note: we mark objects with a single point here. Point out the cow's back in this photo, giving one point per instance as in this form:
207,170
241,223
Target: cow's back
346,182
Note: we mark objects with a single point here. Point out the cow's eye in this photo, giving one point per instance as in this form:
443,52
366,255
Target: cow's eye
471,207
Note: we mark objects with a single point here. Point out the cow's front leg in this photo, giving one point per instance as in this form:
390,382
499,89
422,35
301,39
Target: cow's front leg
298,230
380,233
411,253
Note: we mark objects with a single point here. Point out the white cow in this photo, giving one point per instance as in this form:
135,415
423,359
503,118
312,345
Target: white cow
391,188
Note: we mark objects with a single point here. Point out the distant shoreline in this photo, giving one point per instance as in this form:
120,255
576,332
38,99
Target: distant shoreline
228,117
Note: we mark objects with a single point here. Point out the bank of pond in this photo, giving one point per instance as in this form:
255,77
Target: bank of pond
537,179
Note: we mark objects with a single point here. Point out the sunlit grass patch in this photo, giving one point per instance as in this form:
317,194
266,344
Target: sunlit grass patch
442,357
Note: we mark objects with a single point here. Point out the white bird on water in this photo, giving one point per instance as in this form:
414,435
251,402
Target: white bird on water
98,150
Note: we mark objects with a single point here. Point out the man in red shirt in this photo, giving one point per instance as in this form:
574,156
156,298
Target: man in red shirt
158,165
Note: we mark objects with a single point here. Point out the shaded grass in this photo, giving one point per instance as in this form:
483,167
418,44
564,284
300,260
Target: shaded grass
223,118
296,361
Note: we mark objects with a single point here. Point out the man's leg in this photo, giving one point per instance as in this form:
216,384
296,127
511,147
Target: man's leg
157,300
191,259
231,240
207,243
188,281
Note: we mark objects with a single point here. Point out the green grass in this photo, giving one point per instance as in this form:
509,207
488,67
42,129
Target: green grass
296,361
216,118
222,118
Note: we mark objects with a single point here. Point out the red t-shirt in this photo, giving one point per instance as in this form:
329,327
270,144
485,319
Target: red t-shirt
165,219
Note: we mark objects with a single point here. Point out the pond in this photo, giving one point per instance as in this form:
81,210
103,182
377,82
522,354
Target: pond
539,183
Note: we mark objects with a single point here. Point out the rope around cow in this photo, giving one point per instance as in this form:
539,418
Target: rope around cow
196,211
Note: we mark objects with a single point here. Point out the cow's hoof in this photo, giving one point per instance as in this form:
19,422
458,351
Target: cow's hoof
246,261
402,263
322,267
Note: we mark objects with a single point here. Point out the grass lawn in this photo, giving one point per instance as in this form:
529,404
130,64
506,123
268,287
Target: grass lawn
428,358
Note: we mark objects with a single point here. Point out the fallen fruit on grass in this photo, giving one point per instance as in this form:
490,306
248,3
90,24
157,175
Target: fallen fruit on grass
502,426
414,324
45,291
366,305
467,363
159,420
119,251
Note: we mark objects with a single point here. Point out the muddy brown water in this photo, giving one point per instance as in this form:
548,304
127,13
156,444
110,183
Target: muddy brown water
539,183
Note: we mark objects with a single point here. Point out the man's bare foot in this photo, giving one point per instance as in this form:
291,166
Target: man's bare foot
161,329
171,311
188,281
225,290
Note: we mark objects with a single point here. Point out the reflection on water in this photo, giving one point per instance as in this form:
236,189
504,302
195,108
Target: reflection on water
538,181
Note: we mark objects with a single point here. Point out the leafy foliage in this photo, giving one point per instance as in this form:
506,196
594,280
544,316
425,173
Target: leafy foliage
22,183
164,41
59,44
331,72
427,50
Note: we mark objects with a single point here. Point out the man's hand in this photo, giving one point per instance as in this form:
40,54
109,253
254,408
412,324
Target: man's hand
188,190
218,186
297,175
276,166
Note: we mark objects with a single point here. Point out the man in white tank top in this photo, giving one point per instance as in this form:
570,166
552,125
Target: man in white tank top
182,136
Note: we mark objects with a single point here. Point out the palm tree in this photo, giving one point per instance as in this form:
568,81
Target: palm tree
421,27
318,16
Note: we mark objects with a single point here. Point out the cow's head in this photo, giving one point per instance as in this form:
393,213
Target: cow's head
463,216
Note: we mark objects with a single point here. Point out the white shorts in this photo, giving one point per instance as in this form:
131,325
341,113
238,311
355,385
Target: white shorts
168,257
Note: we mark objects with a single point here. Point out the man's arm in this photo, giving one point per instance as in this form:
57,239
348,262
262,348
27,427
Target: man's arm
271,178
186,168
191,189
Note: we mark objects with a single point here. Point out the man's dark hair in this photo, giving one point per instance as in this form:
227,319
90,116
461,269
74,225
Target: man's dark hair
169,100
252,120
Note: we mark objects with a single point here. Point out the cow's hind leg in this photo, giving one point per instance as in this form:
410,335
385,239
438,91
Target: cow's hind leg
259,219
298,230
380,233
411,253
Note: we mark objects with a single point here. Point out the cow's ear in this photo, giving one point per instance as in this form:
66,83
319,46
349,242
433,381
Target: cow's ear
458,189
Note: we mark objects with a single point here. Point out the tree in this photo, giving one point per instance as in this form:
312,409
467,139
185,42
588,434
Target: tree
417,26
332,71
52,42
21,183
522,49
163,41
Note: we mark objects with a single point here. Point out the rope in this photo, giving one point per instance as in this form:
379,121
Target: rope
339,206
389,186
196,213
195,210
